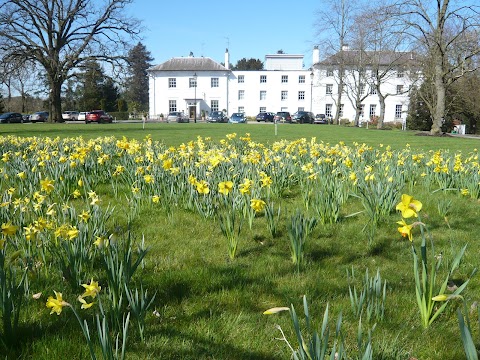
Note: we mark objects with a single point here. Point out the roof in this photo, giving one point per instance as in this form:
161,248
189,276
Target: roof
189,64
354,57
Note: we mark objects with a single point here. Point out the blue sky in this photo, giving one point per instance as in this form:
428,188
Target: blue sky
250,29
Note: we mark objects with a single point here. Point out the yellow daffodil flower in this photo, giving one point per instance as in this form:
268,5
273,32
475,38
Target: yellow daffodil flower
56,303
275,310
409,206
8,229
225,187
85,305
155,199
47,185
84,216
405,229
91,289
257,204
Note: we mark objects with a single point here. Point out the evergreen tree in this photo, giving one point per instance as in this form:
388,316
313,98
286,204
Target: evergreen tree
99,91
137,83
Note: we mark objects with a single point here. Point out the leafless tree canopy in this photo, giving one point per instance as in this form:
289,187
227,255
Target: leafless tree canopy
62,35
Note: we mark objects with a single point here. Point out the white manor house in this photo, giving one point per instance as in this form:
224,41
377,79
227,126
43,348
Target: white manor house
199,85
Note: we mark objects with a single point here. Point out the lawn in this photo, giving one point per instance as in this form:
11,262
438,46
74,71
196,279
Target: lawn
81,203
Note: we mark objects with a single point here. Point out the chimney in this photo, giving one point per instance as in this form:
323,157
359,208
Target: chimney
316,55
227,59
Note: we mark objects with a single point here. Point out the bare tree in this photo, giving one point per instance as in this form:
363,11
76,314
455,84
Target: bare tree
448,31
333,27
62,35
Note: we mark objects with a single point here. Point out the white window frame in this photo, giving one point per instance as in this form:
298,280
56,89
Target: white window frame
214,82
301,95
328,110
241,94
262,109
263,94
399,89
373,90
284,95
284,79
241,79
329,89
329,73
192,82
263,79
373,110
172,105
241,109
340,110
301,79
398,111
214,105
172,82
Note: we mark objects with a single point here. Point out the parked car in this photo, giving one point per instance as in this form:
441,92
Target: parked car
282,116
303,117
177,116
320,119
265,116
11,117
237,118
82,116
98,116
70,115
217,116
39,116
26,118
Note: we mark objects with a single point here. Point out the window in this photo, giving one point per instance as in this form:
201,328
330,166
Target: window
328,110
263,109
172,105
301,79
172,82
214,82
373,109
373,90
214,105
400,73
362,89
241,109
241,94
284,79
398,111
399,89
329,89
284,95
329,73
192,82
263,94
301,109
340,110
362,110
241,79
263,79
301,95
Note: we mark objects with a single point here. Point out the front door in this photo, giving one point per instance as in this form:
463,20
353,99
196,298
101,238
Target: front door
191,111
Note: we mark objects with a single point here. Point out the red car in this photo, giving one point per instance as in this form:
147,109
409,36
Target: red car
98,116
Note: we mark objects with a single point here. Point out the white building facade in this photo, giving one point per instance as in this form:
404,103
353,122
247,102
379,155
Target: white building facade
198,86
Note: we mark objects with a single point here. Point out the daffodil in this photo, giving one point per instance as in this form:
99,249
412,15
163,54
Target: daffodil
155,199
409,206
202,187
405,229
47,185
85,305
84,216
91,289
257,204
8,229
225,187
56,303
275,310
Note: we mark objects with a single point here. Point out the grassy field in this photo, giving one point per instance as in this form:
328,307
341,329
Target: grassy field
209,306
175,134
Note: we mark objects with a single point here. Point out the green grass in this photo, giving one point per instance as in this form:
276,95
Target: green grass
175,134
210,307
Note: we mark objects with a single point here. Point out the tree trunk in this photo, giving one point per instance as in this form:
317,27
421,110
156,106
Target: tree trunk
439,114
341,74
55,100
381,118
